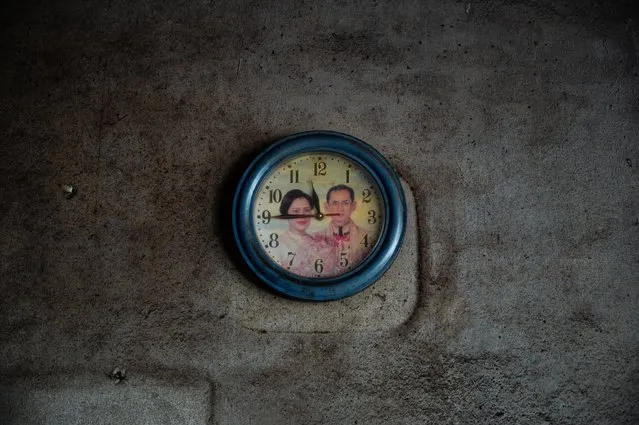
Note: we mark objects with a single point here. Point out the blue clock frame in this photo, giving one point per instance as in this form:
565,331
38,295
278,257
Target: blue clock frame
375,264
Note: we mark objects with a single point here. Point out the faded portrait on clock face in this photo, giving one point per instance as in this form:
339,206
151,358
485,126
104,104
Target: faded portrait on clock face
318,215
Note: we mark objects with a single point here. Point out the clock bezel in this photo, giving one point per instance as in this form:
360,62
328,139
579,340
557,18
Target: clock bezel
377,261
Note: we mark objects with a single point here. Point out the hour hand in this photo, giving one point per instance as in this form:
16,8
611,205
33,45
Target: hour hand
316,202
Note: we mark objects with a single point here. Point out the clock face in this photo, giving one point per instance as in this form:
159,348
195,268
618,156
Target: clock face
317,215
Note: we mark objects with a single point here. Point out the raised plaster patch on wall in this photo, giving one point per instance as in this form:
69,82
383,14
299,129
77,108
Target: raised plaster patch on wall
384,305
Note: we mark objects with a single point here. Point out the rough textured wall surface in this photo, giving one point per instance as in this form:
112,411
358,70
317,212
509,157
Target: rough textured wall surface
515,123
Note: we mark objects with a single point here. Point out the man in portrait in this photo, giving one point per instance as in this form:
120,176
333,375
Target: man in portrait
350,240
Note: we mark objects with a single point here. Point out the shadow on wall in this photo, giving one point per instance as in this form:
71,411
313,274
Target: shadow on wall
223,211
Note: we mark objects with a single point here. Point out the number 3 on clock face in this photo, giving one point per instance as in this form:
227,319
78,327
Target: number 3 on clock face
319,215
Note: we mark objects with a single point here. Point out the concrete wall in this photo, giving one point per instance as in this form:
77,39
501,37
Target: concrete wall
513,123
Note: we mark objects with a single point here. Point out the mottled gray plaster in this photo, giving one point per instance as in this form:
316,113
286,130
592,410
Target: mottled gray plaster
515,124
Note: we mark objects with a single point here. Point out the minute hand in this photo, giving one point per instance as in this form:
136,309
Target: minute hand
294,216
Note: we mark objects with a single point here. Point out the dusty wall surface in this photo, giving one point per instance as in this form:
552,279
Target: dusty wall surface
515,124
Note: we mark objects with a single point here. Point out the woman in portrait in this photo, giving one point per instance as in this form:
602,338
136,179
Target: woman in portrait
298,251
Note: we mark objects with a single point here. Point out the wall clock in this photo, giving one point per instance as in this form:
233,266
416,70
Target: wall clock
319,215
